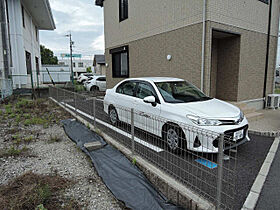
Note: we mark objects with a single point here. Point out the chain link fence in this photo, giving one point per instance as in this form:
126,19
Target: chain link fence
166,144
6,88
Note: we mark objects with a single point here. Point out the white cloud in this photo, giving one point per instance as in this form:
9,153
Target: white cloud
98,44
77,15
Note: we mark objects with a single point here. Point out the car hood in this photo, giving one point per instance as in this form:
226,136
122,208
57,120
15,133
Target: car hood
214,109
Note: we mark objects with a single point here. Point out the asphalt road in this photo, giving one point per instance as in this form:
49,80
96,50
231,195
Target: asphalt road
238,175
270,198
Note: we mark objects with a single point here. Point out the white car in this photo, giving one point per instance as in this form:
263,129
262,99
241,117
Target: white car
97,83
83,77
182,108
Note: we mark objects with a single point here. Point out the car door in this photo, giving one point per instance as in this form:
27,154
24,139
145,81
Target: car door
124,100
101,83
146,114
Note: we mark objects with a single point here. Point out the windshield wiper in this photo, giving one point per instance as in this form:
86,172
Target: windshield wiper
205,98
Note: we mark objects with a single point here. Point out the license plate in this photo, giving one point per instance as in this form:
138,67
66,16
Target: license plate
238,135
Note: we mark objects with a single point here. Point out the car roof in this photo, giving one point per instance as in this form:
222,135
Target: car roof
156,79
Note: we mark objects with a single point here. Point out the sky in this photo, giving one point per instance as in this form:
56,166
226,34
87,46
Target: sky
84,20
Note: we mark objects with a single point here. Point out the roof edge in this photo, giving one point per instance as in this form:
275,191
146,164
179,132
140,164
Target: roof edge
47,3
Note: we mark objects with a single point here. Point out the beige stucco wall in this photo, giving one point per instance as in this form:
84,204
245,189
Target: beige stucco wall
147,57
147,18
247,14
251,63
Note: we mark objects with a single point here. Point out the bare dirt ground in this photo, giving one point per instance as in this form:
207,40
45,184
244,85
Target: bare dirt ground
40,167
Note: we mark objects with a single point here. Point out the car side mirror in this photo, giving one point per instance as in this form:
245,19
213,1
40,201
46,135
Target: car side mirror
150,100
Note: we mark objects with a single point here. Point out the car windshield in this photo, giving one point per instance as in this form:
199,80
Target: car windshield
180,92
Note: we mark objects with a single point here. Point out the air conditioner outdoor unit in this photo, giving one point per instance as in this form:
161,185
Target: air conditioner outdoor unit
272,101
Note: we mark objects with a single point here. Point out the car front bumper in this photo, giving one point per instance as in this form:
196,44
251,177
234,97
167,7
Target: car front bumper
206,138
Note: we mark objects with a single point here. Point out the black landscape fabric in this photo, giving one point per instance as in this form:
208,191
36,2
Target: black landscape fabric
124,179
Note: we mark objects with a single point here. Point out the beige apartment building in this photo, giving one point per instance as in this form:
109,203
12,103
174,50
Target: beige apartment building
218,45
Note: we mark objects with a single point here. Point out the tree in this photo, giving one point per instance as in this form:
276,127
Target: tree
47,56
89,69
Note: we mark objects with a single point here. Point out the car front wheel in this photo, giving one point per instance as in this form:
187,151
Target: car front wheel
174,137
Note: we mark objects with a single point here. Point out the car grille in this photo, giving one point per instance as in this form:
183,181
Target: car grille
229,137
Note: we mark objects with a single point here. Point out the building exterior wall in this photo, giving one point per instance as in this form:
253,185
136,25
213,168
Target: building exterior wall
249,14
24,39
100,69
147,18
76,69
155,29
251,64
147,57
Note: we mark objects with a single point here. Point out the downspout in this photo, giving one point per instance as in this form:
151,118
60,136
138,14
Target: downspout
267,52
5,38
203,45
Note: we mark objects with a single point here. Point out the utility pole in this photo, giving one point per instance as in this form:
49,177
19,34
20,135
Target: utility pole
5,38
71,57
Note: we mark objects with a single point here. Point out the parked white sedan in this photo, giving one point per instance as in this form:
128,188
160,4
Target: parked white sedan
84,77
96,83
175,110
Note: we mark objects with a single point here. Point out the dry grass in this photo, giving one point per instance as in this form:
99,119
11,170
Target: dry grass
33,191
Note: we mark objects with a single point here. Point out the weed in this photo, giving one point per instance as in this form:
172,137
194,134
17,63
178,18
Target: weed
34,191
28,139
24,103
34,121
54,138
40,207
88,126
134,161
27,116
12,151
18,119
12,115
1,112
8,110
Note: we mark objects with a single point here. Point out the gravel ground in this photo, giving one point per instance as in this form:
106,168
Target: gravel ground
60,156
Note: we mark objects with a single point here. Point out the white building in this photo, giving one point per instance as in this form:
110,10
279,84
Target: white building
80,65
58,73
24,20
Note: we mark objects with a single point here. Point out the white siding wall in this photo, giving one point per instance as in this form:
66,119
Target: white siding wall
22,39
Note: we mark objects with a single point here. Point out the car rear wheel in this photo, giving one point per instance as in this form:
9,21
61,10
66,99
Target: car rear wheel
94,89
113,116
174,137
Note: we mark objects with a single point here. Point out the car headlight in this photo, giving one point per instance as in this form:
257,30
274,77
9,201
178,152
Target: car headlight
241,117
203,121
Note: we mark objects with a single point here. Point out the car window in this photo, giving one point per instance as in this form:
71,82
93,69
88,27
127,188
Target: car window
101,79
180,92
145,90
127,88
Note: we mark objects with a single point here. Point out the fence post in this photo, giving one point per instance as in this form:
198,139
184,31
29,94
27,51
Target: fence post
57,94
75,103
220,171
94,112
132,131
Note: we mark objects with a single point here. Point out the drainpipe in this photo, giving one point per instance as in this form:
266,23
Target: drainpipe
203,45
5,38
267,52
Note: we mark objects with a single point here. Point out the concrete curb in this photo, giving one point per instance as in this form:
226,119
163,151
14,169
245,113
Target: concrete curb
172,189
256,189
265,133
